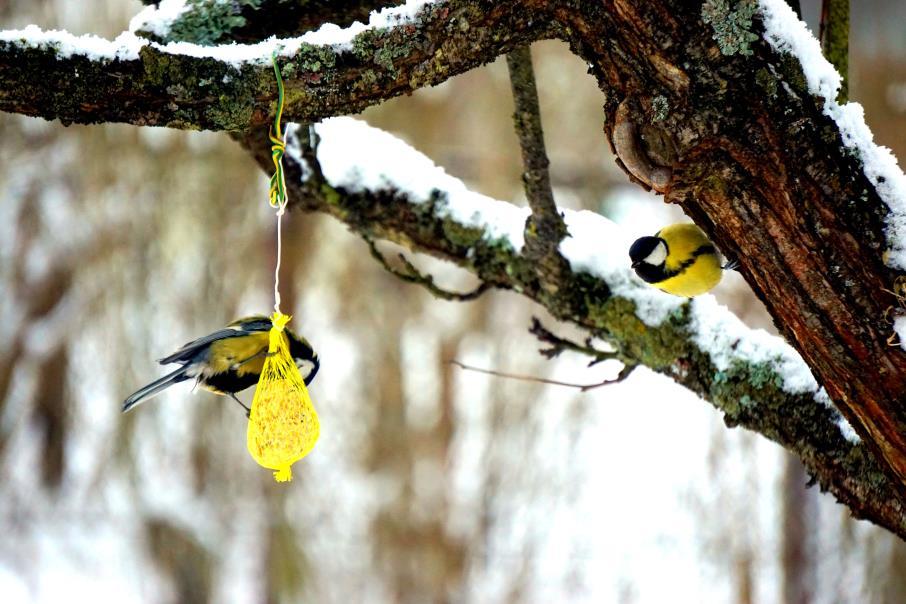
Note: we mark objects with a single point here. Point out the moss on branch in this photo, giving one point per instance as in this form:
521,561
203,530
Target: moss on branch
211,22
160,88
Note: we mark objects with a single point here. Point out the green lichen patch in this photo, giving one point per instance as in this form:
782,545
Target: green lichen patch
231,113
377,47
655,347
312,59
660,108
756,375
460,235
791,70
331,195
732,24
209,22
767,82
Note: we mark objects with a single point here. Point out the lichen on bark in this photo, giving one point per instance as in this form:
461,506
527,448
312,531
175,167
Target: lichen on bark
731,21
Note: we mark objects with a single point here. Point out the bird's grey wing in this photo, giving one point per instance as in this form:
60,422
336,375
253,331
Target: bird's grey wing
188,352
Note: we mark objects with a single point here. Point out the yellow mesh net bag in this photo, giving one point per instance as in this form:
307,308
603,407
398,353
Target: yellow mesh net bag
283,425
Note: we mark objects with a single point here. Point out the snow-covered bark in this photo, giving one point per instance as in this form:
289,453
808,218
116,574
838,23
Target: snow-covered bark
328,71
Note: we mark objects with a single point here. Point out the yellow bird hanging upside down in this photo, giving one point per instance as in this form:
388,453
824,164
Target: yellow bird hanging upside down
229,360
679,259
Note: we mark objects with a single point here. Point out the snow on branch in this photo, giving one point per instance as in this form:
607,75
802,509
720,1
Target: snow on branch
159,20
360,159
382,187
328,71
212,22
357,158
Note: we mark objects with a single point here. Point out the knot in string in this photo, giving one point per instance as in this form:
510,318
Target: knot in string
279,320
277,192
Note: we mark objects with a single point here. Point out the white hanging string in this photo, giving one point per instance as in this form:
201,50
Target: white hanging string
280,211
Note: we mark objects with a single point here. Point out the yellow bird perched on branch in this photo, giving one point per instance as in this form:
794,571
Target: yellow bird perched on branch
679,259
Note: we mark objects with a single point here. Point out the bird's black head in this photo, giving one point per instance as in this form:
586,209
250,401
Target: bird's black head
304,355
648,255
642,249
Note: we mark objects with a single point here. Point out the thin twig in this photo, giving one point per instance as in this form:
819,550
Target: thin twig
545,226
558,345
624,373
412,275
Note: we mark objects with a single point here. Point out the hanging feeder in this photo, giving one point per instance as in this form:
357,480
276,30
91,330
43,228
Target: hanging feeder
283,425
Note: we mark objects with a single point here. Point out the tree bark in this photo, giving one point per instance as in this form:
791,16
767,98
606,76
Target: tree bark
245,21
166,87
774,189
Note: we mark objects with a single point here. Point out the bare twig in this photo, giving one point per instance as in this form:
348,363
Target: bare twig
558,345
545,228
412,275
624,373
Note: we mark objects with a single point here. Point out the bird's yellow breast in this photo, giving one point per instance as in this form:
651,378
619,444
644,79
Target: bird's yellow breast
703,275
697,273
682,241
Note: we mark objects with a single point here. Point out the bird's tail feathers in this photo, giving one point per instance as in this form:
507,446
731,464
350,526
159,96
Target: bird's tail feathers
154,388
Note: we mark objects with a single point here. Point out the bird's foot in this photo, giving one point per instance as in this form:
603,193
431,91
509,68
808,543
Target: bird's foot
248,412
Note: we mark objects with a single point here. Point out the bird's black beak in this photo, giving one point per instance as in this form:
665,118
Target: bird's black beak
636,263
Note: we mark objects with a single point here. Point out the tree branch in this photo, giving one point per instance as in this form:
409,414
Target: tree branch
755,157
544,229
78,80
759,162
412,275
558,345
750,393
212,22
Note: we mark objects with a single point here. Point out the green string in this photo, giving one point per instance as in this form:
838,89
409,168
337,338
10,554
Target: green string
278,146
277,194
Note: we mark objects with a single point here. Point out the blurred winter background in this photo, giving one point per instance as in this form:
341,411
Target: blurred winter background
429,484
